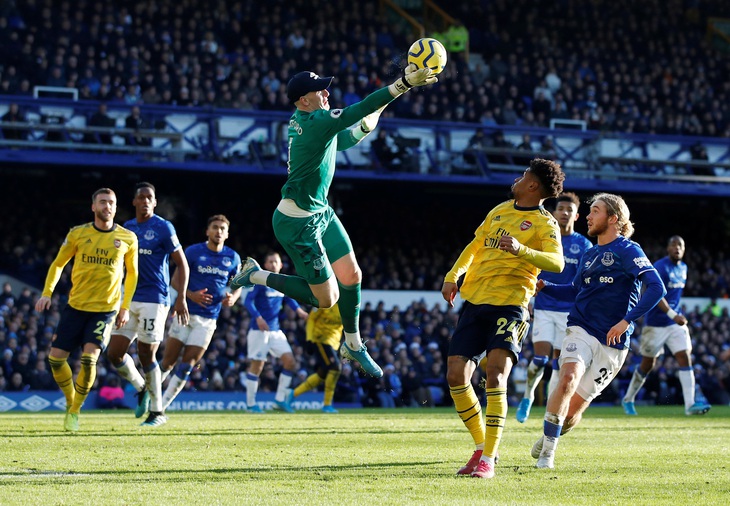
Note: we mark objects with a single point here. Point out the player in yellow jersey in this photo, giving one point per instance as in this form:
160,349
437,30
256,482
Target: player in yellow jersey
517,240
324,332
101,251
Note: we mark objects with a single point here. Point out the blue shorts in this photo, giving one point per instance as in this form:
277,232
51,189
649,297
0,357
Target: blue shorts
485,327
76,328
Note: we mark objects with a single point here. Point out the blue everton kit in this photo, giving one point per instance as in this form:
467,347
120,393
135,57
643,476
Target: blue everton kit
212,270
157,240
609,289
266,302
574,245
674,277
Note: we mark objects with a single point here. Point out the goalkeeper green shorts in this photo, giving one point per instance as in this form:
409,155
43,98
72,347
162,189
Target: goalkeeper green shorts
312,243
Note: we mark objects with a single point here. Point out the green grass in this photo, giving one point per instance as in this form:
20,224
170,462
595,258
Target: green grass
373,457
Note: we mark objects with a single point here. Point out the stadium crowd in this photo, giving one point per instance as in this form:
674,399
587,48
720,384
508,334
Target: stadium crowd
619,66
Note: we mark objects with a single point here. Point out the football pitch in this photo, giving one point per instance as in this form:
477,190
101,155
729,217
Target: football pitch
370,457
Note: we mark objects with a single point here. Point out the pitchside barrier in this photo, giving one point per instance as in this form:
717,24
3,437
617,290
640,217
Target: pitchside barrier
186,401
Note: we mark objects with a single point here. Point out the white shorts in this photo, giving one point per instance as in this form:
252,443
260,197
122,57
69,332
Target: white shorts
146,322
601,362
262,342
549,327
198,332
653,339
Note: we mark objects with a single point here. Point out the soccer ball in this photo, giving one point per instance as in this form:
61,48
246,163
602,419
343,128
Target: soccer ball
429,53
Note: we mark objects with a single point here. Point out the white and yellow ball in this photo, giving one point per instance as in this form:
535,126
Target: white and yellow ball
429,53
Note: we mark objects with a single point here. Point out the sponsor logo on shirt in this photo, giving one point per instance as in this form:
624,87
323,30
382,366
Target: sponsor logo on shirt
569,260
642,262
145,251
209,269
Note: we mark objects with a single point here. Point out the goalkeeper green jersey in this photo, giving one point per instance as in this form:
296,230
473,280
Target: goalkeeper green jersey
314,139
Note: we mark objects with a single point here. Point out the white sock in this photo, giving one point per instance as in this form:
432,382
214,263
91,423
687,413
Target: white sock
282,390
173,388
252,386
259,277
687,379
534,375
154,386
129,372
353,341
637,381
164,375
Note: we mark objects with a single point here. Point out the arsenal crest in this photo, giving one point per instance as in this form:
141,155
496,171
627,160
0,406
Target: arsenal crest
117,243
525,225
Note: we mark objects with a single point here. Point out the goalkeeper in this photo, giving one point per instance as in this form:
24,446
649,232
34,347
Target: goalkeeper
304,223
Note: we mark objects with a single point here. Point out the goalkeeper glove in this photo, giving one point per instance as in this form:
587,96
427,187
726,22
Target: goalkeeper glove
413,76
367,124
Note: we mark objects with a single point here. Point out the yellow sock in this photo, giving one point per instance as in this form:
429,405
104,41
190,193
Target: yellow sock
469,410
64,377
495,414
84,381
312,382
330,383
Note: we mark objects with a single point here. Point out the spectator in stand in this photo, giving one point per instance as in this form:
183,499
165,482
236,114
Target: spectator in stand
385,151
475,149
699,154
40,378
135,122
111,395
547,148
100,119
348,390
14,116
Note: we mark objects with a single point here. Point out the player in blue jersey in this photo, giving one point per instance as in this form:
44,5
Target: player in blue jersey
608,300
551,314
265,337
151,303
212,265
664,325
